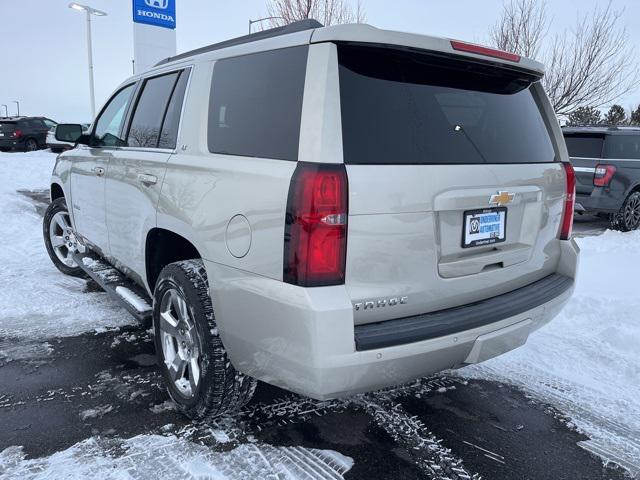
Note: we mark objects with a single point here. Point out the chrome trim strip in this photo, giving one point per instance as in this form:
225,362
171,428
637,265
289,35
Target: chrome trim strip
585,169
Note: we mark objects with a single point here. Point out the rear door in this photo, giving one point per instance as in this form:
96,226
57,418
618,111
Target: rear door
586,151
136,170
455,188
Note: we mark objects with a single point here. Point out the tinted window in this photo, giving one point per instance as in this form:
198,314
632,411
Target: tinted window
146,123
109,124
585,146
49,123
34,123
256,104
411,108
622,146
7,127
169,135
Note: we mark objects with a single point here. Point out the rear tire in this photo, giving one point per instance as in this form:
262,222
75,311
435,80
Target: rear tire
193,361
56,227
628,218
31,145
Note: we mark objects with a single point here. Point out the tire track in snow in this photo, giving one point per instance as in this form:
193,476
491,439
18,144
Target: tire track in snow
426,450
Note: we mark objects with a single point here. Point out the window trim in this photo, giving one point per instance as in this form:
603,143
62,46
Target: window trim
138,93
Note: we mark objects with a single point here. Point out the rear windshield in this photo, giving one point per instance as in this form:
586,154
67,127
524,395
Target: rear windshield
7,127
604,146
403,107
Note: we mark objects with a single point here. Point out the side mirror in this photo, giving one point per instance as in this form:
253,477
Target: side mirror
68,132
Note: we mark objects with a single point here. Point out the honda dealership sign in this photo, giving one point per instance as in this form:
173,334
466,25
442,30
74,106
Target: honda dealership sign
154,32
160,13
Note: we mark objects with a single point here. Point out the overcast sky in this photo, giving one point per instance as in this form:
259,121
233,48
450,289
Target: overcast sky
44,61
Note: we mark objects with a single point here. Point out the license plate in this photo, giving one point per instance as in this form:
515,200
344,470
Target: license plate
484,227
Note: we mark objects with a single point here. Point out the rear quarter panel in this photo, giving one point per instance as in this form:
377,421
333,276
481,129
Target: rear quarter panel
202,192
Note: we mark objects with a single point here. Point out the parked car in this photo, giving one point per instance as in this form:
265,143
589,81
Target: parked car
607,165
24,133
57,146
329,210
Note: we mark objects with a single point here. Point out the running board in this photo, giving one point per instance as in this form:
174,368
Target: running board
122,289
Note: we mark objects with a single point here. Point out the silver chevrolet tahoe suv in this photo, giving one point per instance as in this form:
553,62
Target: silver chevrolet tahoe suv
328,210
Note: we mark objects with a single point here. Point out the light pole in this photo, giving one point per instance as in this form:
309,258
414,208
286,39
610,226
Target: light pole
6,110
18,104
98,13
251,22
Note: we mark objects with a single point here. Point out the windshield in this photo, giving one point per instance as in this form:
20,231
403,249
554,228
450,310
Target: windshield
410,108
584,146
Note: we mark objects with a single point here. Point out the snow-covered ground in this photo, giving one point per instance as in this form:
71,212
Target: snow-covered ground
36,301
585,362
139,458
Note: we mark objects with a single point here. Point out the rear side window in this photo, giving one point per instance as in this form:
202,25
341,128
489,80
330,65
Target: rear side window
402,107
585,146
256,104
622,146
146,122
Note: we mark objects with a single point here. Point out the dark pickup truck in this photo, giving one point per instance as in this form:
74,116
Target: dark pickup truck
607,165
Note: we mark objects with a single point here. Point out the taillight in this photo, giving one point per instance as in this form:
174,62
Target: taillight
315,243
569,203
17,133
482,50
603,175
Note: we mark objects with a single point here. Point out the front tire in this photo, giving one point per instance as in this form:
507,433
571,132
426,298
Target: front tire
193,361
57,231
628,218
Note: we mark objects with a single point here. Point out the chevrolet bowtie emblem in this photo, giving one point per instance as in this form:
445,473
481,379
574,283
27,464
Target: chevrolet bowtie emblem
502,198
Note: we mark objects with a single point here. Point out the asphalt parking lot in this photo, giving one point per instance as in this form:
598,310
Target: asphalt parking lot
97,388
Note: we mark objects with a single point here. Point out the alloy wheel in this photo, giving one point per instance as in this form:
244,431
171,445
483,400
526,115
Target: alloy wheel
31,145
632,212
62,238
180,342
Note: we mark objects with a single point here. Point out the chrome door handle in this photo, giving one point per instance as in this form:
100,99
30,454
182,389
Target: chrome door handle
147,179
99,171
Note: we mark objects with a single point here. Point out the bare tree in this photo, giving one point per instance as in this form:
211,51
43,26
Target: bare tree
589,66
522,27
328,12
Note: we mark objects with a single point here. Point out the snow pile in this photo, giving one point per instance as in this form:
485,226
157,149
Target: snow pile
586,362
155,456
36,300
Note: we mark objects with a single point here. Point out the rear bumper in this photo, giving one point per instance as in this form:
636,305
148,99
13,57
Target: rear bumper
466,317
304,340
8,144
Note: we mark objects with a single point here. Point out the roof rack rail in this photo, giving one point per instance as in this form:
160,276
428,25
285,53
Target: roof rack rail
299,26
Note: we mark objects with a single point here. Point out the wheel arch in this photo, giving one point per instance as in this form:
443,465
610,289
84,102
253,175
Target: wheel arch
56,191
163,247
